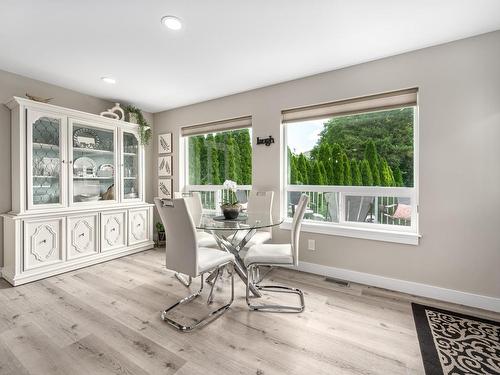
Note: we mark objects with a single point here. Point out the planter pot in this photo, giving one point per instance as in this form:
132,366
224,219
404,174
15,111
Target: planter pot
161,237
230,211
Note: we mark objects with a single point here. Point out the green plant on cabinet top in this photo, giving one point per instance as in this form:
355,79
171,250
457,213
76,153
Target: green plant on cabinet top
144,127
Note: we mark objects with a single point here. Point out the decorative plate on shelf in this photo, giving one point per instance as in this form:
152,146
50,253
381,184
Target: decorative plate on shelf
85,138
84,167
106,170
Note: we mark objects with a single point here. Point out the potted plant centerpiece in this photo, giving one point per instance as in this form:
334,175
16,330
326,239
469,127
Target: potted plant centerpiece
230,206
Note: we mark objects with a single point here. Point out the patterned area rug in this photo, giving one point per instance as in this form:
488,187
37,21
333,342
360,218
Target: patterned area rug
453,343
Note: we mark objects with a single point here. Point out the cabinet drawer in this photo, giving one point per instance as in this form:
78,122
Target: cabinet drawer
138,225
42,243
113,230
82,236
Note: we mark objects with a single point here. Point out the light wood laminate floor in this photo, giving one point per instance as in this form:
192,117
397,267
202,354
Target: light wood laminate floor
105,319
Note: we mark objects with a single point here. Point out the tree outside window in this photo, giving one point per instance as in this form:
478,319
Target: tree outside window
216,157
369,149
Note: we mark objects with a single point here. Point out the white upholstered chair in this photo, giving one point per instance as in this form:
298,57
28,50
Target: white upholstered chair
260,203
278,255
184,255
195,208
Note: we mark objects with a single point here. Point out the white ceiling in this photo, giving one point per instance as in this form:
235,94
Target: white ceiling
225,46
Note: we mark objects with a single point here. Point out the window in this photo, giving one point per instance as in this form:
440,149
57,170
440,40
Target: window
217,152
356,162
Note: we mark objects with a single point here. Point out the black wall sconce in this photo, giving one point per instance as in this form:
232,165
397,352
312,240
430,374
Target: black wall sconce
265,141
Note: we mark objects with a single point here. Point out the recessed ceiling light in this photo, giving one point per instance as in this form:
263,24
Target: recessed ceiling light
109,80
172,22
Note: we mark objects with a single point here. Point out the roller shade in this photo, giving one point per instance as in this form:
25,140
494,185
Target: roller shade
217,126
395,99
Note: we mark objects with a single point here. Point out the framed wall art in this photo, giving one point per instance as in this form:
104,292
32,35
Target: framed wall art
165,188
165,166
165,143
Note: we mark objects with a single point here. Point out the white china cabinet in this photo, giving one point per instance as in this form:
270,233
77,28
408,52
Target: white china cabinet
77,192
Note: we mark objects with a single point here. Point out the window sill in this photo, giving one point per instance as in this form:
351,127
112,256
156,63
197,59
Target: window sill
363,233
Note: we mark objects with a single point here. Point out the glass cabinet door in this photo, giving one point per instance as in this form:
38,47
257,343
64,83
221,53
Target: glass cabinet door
46,171
131,166
93,162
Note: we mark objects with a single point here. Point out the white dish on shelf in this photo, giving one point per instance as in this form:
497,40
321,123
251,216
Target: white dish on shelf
84,167
88,198
106,170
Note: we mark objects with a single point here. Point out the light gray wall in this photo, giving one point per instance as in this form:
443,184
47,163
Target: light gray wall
459,106
15,85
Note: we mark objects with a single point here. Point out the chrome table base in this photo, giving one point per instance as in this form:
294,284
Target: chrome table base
233,245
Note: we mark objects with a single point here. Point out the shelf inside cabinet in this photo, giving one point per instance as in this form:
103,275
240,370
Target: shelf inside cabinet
93,178
91,150
44,146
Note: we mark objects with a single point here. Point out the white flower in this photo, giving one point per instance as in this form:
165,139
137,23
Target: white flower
230,185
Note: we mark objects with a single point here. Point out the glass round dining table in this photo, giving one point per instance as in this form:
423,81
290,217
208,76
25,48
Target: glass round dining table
233,235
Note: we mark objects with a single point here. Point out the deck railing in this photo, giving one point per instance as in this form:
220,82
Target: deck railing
212,196
362,206
356,205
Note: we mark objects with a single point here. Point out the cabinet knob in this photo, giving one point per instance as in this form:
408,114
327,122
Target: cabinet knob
71,161
81,235
113,229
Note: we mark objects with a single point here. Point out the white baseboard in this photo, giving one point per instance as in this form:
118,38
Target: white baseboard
409,287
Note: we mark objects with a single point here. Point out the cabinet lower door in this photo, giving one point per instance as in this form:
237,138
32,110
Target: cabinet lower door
113,230
43,241
138,230
82,236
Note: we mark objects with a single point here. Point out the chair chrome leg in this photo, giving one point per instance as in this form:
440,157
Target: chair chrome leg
255,275
211,277
206,319
210,298
275,289
183,280
261,275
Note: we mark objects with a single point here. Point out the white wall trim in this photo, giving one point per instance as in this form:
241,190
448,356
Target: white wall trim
409,287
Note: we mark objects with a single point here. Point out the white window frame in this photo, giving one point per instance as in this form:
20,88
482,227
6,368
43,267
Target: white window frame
379,232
